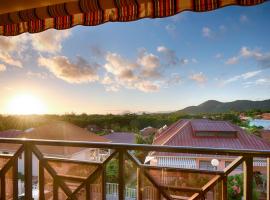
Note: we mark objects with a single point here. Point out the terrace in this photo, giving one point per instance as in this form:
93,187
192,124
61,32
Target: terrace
61,178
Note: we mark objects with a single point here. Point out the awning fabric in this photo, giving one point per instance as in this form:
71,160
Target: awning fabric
38,15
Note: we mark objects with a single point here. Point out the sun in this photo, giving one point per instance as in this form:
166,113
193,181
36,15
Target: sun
26,104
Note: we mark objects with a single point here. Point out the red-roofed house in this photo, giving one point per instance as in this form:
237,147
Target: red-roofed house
209,134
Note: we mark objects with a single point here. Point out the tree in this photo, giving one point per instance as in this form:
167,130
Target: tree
235,188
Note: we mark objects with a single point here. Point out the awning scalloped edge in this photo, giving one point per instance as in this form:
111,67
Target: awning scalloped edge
95,12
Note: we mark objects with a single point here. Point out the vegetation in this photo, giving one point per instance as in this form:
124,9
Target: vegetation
235,188
127,122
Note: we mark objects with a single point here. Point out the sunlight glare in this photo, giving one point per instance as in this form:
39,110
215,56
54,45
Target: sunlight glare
26,104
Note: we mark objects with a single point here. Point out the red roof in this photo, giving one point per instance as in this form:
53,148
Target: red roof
10,133
121,137
181,133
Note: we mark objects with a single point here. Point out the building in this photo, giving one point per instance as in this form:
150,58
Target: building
208,134
58,131
121,137
148,131
93,128
266,116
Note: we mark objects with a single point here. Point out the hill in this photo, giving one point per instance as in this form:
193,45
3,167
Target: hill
213,106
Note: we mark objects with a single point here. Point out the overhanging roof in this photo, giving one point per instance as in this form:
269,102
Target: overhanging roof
34,16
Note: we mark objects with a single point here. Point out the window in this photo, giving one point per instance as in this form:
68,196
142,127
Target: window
239,168
204,164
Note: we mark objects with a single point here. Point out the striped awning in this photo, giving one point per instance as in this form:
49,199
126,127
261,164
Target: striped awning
34,16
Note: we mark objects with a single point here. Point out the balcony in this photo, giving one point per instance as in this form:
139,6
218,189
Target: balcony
58,177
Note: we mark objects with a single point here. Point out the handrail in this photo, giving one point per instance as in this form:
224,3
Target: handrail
124,152
142,147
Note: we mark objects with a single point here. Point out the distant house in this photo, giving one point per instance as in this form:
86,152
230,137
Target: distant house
243,117
208,134
266,116
10,133
59,131
93,128
147,131
121,137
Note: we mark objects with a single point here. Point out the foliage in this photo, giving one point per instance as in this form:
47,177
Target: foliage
235,188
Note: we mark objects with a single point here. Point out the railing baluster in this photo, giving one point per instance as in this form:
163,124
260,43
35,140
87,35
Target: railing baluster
3,187
103,188
248,178
28,171
139,184
15,179
268,178
41,181
55,190
224,188
87,191
121,180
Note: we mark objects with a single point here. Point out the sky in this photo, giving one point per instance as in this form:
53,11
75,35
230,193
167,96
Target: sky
150,65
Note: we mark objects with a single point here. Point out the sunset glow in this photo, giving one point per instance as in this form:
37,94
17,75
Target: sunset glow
26,104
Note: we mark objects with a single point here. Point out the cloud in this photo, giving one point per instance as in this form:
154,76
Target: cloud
120,67
233,60
174,79
40,75
243,76
258,82
171,58
11,49
72,72
243,18
147,86
206,32
199,78
263,59
49,41
2,68
8,59
169,54
148,60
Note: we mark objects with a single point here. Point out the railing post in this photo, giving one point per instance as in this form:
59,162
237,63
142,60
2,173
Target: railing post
28,171
139,184
41,181
224,188
87,190
248,178
268,178
55,190
121,180
103,179
3,187
15,179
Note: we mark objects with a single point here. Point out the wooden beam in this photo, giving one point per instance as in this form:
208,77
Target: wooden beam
15,179
248,178
224,192
28,171
41,181
3,187
268,178
121,176
139,184
51,171
55,190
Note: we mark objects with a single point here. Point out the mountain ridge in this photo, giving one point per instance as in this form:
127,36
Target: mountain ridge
214,106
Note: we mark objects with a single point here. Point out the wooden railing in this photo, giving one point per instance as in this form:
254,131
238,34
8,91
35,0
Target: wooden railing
61,184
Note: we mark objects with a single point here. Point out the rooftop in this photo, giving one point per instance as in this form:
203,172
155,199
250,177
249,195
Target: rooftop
181,133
